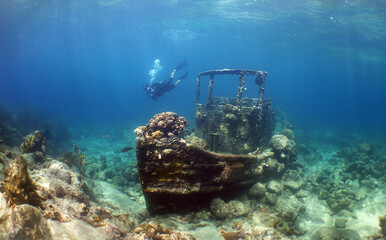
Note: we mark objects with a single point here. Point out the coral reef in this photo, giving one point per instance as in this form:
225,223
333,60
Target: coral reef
231,209
64,209
18,187
339,188
34,143
257,191
335,233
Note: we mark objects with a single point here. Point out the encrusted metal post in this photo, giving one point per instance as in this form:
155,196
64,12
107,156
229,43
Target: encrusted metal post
198,90
260,80
210,90
241,88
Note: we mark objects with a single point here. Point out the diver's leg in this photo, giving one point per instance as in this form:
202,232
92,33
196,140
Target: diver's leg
179,66
182,77
177,82
182,65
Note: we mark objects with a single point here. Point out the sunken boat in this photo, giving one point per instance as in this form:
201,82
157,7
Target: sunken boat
222,158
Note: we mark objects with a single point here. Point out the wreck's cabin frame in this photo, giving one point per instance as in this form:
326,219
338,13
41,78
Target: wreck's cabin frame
234,125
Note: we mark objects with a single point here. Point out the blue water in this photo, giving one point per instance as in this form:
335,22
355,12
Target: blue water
85,62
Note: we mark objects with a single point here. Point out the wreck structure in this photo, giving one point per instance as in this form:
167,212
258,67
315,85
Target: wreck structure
234,125
222,158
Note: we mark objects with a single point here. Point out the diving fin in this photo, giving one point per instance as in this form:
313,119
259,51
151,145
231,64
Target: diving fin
184,75
182,65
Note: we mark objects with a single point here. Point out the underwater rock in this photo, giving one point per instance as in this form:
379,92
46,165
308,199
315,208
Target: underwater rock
24,222
288,209
109,174
377,170
39,157
382,225
286,227
224,210
346,214
254,233
257,191
284,148
293,185
71,182
218,208
18,187
274,186
75,159
365,148
338,204
332,233
340,222
156,231
302,193
34,143
323,176
60,171
270,198
323,194
124,222
119,181
279,143
103,162
92,170
288,133
68,198
131,174
272,166
57,190
234,235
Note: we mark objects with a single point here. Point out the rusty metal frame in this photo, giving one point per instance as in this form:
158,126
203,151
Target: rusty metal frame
259,80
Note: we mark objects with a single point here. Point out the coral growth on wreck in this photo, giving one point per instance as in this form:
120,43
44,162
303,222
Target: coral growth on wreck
167,122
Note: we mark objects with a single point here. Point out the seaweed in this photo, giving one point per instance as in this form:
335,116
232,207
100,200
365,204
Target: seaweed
75,159
34,143
18,186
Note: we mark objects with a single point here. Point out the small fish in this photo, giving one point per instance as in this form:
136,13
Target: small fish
126,149
106,136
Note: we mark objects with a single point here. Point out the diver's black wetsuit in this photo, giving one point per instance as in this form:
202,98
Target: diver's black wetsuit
158,89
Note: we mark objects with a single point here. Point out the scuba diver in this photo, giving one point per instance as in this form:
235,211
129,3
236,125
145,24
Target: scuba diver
158,89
